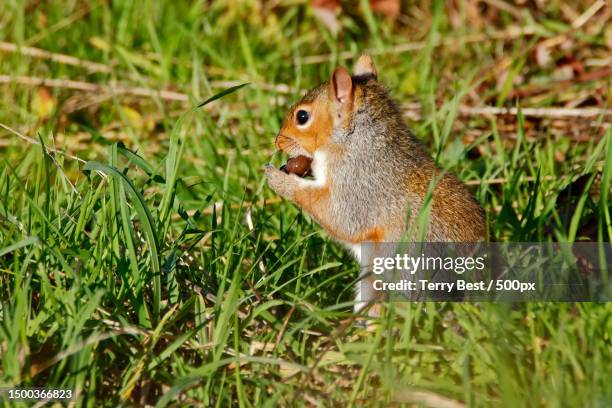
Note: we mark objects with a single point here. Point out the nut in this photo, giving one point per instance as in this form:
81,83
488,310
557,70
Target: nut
300,166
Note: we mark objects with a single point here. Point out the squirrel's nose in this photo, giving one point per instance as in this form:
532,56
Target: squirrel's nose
280,138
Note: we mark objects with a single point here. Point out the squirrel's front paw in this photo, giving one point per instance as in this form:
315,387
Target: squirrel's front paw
283,184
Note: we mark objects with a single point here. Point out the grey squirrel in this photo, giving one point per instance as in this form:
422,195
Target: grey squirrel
369,171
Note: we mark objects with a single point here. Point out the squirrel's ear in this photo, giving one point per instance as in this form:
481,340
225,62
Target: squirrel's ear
365,66
342,85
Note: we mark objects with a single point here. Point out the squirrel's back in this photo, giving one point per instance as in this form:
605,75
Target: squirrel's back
385,165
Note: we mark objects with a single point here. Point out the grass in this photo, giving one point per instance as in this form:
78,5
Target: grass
164,271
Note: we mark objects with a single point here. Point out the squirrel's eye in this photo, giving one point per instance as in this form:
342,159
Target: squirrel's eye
302,117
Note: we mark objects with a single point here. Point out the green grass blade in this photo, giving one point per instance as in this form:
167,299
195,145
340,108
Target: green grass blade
222,94
21,244
147,223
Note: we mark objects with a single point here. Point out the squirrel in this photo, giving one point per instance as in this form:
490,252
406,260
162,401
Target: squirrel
371,176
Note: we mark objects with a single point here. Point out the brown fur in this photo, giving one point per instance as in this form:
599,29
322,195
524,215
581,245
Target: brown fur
317,134
373,171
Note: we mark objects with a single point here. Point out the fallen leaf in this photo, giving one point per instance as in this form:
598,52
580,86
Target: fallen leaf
43,104
133,117
100,43
559,156
542,55
327,11
286,371
332,5
563,73
43,20
388,8
257,346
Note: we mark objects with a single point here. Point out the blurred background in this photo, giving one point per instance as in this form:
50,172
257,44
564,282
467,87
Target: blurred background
123,68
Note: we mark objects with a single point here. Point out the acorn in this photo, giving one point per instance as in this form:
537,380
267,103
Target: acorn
300,166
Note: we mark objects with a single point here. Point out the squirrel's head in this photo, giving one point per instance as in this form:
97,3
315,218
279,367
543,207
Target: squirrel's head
310,123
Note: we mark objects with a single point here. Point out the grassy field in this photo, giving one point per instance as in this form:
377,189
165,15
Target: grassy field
143,260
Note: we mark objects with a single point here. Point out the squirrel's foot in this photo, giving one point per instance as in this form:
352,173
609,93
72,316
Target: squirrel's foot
283,184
